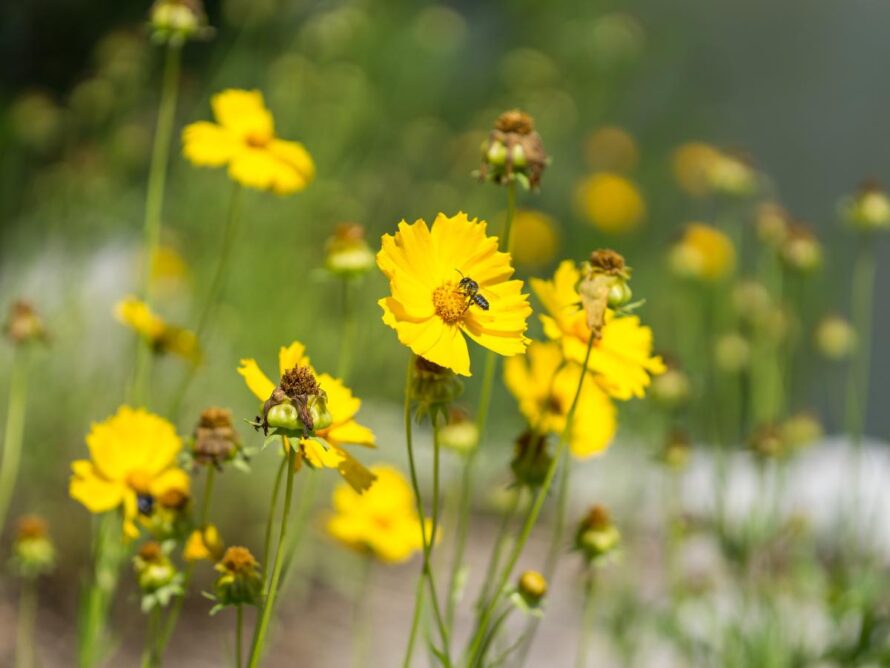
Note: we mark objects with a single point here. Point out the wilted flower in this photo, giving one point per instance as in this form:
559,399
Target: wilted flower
177,21
301,398
449,282
215,440
513,151
160,336
239,581
383,521
346,251
243,139
545,385
835,337
535,238
24,324
703,253
610,202
33,552
133,462
596,536
868,209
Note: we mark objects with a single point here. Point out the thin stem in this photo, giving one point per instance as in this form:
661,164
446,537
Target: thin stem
495,559
562,499
259,637
239,626
587,620
532,516
150,651
107,554
427,540
270,520
25,656
415,621
361,619
305,502
14,432
347,334
492,634
511,213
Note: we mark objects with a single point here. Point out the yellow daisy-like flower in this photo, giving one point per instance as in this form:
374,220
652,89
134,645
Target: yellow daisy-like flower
132,462
382,521
703,253
611,202
621,359
161,336
243,138
343,407
431,311
545,385
204,545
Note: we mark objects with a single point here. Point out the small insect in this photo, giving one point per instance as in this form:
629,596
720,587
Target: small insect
470,288
145,503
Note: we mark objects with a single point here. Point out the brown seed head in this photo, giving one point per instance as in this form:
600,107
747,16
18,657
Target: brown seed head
598,518
607,261
515,121
299,382
30,527
215,437
24,324
239,560
151,552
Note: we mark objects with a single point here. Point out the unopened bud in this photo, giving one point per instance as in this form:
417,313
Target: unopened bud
532,588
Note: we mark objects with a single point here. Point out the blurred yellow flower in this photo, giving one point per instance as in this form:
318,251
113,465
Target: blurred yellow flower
132,462
383,521
204,545
545,385
692,163
343,406
168,268
611,148
243,138
429,308
703,253
610,202
160,336
621,360
535,238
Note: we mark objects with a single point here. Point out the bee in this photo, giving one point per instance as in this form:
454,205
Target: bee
470,288
145,503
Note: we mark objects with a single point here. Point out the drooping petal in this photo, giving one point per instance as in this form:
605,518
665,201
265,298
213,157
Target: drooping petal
209,145
256,380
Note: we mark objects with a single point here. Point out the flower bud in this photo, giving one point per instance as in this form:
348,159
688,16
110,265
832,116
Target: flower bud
459,434
284,416
33,553
801,251
531,460
801,430
239,582
433,387
868,209
23,324
177,21
768,442
513,152
346,251
596,536
732,352
732,175
835,338
771,224
154,570
532,587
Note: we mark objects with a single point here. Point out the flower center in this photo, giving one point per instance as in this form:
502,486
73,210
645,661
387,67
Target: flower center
450,303
256,140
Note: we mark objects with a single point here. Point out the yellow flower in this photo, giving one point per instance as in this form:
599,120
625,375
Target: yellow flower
161,336
621,359
611,203
343,406
429,310
535,238
704,253
204,544
243,138
545,385
382,521
132,462
692,166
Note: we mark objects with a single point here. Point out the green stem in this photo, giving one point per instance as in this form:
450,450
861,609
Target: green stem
347,335
239,626
305,503
562,499
14,432
259,637
154,203
270,520
587,621
361,618
24,644
108,551
150,652
415,622
532,517
508,221
427,540
491,635
495,559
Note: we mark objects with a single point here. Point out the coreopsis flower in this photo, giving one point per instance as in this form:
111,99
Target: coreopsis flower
691,165
132,463
24,324
535,238
157,333
204,544
611,148
513,151
239,581
325,448
448,282
545,385
243,140
33,552
382,522
346,251
868,209
610,202
621,358
596,536
703,253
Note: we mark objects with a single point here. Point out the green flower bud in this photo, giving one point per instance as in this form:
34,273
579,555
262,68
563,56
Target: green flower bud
620,294
284,416
496,154
835,338
33,553
318,411
531,460
518,156
532,588
347,253
596,536
239,582
154,570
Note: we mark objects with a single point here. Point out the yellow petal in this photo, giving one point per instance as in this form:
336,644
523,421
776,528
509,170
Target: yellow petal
172,479
94,492
355,473
291,356
296,156
350,433
209,145
319,456
243,113
259,168
256,380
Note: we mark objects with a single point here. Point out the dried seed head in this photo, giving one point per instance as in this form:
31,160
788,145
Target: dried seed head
239,561
24,324
515,121
596,536
31,527
299,382
216,440
607,261
151,553
513,152
531,459
33,553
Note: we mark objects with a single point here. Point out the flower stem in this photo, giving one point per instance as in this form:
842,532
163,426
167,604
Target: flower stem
347,333
587,620
92,618
154,202
415,621
150,652
532,517
24,644
270,521
239,626
361,618
14,432
427,540
259,636
495,559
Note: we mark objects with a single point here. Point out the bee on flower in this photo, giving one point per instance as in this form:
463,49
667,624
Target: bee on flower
316,411
435,274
